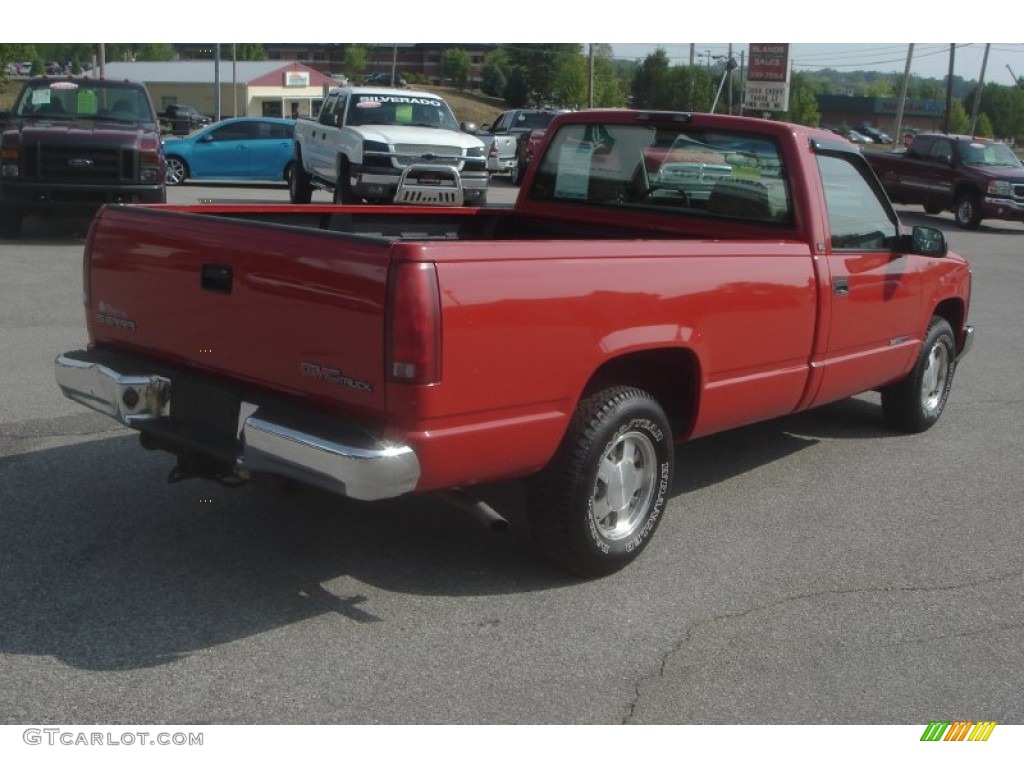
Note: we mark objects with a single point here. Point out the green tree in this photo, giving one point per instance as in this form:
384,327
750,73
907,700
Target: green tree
455,64
494,73
517,91
538,65
608,85
959,121
493,80
984,127
250,52
155,52
570,85
651,86
357,58
803,102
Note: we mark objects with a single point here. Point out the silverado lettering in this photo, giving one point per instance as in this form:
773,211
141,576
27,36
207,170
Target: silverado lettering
662,277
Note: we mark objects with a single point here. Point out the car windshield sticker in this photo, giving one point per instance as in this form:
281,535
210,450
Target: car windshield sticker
574,171
41,97
403,114
377,100
86,102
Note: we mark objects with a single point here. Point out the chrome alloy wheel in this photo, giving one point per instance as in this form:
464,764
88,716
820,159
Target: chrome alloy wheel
626,480
933,378
176,172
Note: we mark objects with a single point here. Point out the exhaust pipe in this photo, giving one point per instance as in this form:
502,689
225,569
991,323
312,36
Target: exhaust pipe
480,509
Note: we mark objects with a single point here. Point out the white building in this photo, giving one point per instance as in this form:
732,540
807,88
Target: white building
247,88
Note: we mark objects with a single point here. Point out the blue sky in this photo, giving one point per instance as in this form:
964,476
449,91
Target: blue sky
631,27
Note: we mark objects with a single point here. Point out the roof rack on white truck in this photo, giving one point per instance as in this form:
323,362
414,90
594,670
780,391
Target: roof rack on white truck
387,145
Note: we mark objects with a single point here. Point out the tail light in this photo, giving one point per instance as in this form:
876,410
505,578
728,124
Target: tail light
413,324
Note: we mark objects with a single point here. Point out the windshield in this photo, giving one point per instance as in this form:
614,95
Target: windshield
389,109
993,153
66,100
673,169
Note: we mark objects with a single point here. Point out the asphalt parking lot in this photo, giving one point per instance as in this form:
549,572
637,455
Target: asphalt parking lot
813,569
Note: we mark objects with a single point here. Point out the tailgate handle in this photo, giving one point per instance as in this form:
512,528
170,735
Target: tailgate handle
216,278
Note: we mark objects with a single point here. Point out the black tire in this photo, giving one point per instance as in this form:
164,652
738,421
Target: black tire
177,171
343,194
599,501
933,208
916,402
10,223
516,175
300,188
967,210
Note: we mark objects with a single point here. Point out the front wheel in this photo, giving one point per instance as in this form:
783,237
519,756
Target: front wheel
967,211
915,403
177,171
596,506
343,194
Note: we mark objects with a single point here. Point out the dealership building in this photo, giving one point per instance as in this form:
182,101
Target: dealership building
247,88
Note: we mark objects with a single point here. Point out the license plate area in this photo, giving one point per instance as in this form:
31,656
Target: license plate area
204,412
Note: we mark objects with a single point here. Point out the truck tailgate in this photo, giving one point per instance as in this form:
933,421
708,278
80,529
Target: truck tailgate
296,312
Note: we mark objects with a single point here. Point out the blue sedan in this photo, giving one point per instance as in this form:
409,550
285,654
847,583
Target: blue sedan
243,148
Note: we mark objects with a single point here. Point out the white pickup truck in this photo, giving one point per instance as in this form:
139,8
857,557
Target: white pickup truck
384,145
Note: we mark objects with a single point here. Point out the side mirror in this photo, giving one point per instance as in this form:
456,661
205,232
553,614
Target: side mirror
467,127
928,241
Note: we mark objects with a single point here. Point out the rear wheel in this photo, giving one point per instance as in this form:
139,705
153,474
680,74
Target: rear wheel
915,403
596,506
300,189
177,171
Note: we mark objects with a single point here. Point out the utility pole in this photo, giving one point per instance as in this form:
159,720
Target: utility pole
590,77
949,88
729,66
977,93
216,82
897,134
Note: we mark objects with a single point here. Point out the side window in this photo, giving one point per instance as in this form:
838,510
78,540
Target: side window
330,109
858,216
941,152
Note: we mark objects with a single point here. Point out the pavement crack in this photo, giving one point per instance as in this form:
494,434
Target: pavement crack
698,625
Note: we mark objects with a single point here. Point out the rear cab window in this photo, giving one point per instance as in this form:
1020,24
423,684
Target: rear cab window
675,169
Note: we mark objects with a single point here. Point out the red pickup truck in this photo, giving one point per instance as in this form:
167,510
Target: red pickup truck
625,304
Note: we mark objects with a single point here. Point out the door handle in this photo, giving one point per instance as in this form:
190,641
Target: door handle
841,286
216,278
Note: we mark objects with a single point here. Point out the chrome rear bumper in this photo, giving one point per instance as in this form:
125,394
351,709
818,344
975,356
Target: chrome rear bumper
298,446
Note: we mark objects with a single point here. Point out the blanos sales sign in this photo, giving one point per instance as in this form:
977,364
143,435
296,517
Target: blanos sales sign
767,88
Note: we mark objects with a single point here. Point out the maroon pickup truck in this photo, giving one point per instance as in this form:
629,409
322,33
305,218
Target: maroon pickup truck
629,301
72,144
974,178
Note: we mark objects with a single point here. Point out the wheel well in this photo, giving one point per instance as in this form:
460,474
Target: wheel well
963,189
671,376
952,311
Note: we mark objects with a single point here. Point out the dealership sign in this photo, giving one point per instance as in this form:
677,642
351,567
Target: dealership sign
767,88
296,79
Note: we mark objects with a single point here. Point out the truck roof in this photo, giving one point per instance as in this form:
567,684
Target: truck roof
356,89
